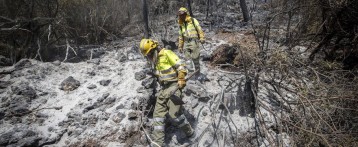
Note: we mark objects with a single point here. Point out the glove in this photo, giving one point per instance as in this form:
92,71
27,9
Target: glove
181,79
181,83
202,41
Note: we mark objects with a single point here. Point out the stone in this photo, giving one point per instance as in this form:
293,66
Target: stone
120,106
23,63
194,102
190,88
24,89
134,106
92,86
4,84
141,90
94,61
40,121
21,110
204,113
92,73
105,82
134,53
17,74
104,96
19,137
88,108
95,53
69,84
202,78
132,115
110,100
140,75
204,99
56,63
50,129
43,93
5,138
30,141
121,57
147,83
41,115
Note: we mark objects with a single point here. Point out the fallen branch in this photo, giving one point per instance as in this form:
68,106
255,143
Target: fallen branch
33,110
145,132
8,70
38,49
228,72
262,105
197,140
68,47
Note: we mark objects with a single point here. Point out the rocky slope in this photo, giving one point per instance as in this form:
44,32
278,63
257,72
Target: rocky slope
106,101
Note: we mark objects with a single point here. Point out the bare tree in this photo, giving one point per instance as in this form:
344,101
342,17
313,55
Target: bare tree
245,11
207,8
145,16
189,7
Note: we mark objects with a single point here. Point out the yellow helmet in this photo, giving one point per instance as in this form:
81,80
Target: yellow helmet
146,45
182,11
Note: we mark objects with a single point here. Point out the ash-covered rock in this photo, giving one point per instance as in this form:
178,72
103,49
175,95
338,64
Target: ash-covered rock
140,75
117,118
104,96
5,84
16,74
132,115
70,84
24,63
24,89
56,63
147,83
95,53
94,61
92,86
20,137
133,53
104,82
197,92
121,57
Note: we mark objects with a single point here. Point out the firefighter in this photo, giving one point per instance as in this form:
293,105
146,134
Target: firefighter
171,72
190,35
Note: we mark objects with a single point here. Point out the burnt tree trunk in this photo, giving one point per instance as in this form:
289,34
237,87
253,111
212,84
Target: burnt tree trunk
146,20
245,10
189,7
207,8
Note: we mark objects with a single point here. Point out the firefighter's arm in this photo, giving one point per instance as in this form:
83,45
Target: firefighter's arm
179,66
200,31
181,40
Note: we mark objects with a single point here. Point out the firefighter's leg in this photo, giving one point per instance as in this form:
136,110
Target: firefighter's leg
177,117
188,50
192,52
196,54
159,113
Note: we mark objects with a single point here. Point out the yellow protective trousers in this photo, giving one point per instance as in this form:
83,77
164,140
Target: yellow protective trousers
192,51
166,108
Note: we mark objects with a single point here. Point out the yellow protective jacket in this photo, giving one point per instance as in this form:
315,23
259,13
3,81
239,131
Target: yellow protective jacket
187,30
168,65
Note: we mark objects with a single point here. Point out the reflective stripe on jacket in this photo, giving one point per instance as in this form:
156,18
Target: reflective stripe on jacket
167,65
187,30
